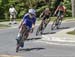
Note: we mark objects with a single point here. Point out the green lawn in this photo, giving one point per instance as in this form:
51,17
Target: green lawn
71,32
3,26
53,18
38,19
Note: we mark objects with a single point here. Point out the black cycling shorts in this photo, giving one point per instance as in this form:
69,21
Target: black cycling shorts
46,17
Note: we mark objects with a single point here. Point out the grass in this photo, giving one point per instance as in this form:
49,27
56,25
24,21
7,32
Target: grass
3,26
65,18
52,18
71,32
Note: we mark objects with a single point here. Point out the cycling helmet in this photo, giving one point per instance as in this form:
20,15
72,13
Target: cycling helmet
32,11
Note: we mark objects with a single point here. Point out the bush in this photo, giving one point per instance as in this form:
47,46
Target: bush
21,13
39,10
68,8
2,16
22,8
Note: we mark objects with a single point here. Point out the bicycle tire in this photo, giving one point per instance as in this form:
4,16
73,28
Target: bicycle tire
53,26
59,22
21,40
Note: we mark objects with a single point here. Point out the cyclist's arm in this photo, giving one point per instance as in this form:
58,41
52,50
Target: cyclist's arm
21,23
16,12
56,10
64,9
41,14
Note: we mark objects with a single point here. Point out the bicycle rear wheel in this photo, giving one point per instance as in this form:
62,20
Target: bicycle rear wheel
38,30
59,22
54,25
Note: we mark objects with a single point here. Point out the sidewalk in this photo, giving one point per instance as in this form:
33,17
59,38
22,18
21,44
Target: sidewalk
61,36
10,26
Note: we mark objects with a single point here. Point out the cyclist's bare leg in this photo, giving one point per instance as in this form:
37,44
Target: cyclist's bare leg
21,31
42,25
26,36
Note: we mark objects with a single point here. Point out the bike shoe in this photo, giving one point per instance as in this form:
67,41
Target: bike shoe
22,44
17,41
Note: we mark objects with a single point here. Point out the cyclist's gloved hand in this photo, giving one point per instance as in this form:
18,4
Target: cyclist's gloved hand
28,28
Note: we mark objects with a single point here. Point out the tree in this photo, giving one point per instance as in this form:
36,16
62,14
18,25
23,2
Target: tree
73,8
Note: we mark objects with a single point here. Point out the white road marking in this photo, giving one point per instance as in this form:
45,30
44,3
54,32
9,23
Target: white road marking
54,43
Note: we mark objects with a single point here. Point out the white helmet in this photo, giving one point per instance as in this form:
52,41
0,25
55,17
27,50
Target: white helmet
32,11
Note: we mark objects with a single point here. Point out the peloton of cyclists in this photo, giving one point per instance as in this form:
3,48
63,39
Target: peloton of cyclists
29,19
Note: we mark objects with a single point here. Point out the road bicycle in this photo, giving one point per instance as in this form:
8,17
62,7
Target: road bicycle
22,38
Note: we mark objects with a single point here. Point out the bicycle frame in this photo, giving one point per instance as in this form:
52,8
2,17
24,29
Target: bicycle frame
42,26
56,23
23,37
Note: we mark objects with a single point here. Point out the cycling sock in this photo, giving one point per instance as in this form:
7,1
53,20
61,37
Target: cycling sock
18,36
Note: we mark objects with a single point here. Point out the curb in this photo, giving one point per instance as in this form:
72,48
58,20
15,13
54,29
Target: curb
60,38
9,28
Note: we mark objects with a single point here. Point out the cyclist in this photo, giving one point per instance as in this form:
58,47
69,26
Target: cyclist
28,22
61,9
45,16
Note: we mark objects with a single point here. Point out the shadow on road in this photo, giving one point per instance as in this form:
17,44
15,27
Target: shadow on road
33,39
64,28
31,49
55,30
48,33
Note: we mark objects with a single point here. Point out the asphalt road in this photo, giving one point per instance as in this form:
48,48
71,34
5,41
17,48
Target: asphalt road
34,48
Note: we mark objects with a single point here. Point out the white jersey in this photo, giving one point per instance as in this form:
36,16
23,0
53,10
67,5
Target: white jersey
12,11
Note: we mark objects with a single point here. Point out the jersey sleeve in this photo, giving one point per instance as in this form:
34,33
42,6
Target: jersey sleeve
24,22
24,17
34,20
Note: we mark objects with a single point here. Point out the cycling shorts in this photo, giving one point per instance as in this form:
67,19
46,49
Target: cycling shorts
60,13
46,17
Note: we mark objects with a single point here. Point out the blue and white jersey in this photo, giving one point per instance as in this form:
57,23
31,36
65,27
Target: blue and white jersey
29,21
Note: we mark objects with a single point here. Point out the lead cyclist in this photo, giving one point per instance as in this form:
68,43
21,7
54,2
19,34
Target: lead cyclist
28,22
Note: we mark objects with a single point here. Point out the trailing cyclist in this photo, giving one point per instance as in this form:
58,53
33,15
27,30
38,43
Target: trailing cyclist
45,17
60,11
27,23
